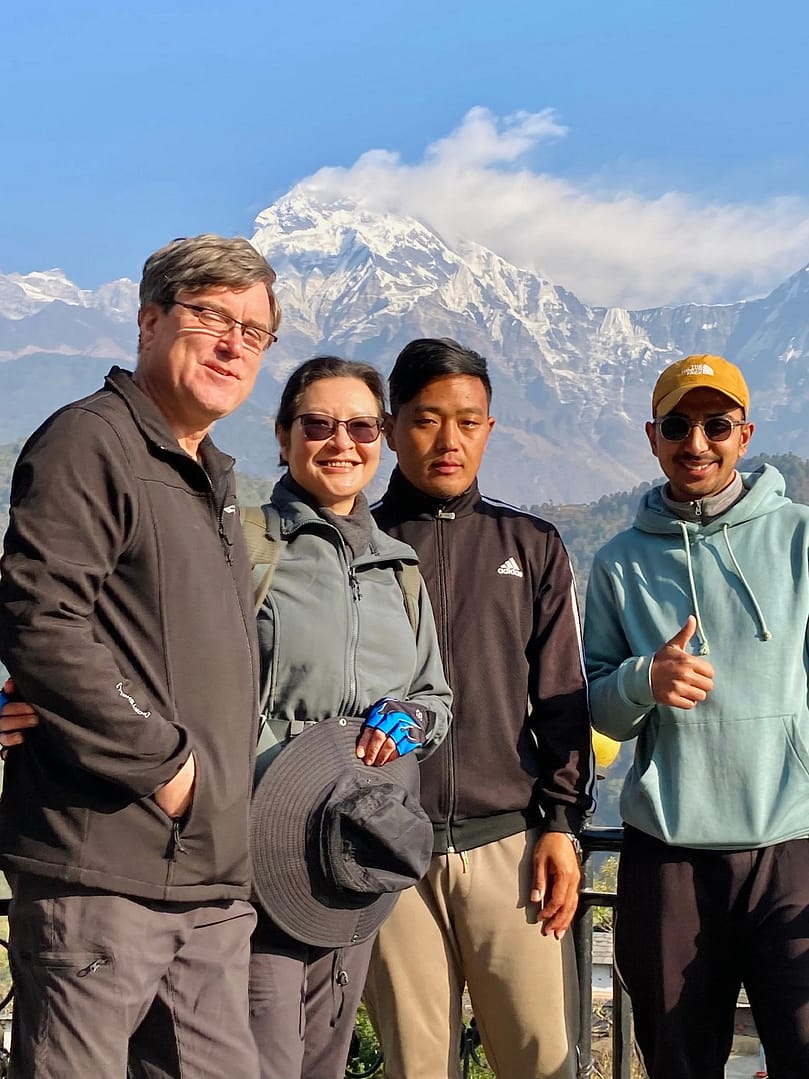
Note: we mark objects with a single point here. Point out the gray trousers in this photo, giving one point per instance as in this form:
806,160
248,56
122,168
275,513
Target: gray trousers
92,970
303,1003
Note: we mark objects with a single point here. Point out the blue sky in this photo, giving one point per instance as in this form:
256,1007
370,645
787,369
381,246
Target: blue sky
634,151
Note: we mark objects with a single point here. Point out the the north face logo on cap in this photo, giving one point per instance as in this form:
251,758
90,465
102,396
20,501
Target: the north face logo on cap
690,373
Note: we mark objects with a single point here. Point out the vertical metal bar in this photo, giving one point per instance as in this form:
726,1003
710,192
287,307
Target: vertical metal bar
621,1031
583,940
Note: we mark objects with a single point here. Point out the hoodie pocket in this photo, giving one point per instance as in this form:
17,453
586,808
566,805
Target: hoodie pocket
727,783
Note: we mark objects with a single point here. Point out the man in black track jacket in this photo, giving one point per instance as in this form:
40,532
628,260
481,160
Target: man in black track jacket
126,620
509,788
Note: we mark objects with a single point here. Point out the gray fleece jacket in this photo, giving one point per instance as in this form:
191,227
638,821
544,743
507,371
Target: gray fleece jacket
334,635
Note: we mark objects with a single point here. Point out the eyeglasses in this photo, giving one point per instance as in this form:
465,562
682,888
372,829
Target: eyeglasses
318,428
255,338
716,428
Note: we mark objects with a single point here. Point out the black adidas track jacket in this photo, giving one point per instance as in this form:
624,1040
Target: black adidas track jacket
518,750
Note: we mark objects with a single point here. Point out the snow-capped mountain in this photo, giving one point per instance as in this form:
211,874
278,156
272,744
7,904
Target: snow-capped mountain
22,295
572,383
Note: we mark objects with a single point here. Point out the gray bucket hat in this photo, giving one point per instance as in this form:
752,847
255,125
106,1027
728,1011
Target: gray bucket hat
332,840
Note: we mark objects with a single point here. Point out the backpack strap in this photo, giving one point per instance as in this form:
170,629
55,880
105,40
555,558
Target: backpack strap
262,533
409,580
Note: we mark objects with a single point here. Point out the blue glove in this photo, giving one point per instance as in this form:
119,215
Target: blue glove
403,722
4,698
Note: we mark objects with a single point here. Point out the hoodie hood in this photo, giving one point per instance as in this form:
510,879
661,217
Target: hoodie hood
764,492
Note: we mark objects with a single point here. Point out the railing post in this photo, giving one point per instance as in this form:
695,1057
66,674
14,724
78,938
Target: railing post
583,940
605,840
621,1030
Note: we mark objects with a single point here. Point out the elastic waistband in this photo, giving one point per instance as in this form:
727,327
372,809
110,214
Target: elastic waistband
478,831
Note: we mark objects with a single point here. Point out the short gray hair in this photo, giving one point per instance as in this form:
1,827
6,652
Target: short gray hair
195,263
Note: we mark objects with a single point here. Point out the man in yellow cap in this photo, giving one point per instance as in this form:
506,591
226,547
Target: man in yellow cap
696,642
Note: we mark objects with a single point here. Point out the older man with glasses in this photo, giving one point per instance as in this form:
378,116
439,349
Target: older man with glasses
696,641
126,620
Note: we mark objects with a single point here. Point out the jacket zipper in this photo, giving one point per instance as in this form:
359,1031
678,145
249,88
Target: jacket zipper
351,642
175,847
354,607
223,538
440,516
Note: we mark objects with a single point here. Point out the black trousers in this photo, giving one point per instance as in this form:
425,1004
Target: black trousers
303,1003
92,970
691,927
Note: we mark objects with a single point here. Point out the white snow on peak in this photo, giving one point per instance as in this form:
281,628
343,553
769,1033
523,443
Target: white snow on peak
616,323
347,273
22,295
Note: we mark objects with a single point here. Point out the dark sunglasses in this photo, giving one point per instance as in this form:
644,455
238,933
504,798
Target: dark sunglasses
678,428
319,428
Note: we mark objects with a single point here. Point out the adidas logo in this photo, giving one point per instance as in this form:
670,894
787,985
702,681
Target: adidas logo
510,568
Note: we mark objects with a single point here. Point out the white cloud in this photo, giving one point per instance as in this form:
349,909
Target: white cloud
610,247
478,143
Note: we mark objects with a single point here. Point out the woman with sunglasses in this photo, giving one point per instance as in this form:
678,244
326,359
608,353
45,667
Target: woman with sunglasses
334,639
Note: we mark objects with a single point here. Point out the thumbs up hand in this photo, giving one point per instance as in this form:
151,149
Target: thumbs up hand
679,679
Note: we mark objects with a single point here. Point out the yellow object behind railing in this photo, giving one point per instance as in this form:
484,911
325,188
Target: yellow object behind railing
606,749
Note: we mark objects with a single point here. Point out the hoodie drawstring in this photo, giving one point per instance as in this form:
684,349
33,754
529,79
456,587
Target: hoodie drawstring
765,631
704,648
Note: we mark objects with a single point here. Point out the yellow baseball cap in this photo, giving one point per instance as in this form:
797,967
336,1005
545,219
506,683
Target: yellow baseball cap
696,371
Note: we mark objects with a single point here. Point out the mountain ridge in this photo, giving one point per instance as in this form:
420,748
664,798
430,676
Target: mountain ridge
572,382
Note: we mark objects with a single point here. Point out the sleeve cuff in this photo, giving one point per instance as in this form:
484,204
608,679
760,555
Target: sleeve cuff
564,818
635,681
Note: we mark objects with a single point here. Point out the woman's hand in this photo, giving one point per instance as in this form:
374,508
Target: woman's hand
375,748
15,718
392,729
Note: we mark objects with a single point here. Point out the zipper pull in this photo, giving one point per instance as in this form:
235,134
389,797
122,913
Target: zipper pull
176,839
226,543
102,961
445,515
355,586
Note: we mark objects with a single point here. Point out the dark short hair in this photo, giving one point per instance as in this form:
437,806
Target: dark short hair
429,358
194,263
320,367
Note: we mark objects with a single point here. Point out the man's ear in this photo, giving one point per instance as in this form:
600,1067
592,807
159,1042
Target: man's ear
147,320
387,428
651,434
746,435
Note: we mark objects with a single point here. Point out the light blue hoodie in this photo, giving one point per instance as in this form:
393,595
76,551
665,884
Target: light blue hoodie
733,772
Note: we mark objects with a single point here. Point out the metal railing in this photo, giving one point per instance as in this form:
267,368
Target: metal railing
599,839
595,839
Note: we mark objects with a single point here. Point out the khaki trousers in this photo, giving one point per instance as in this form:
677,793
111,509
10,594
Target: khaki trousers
469,922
